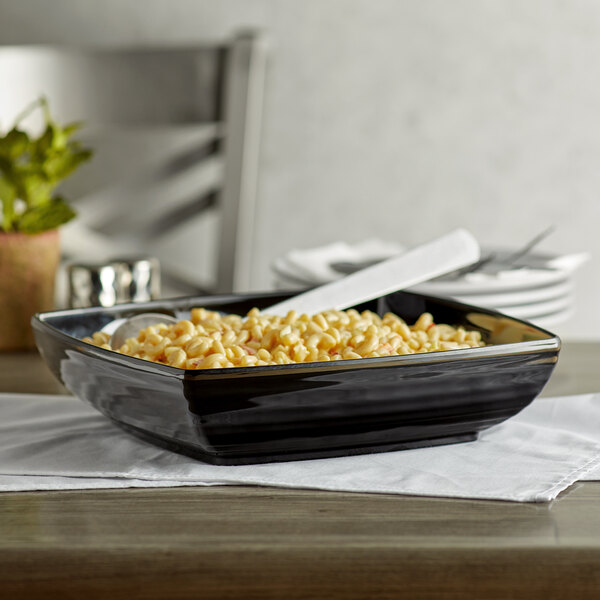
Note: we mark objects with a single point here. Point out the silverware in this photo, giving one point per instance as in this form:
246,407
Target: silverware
513,258
501,263
349,267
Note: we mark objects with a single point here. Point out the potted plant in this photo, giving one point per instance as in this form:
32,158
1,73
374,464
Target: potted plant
31,213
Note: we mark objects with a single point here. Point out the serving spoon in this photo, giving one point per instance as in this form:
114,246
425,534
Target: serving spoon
121,329
447,253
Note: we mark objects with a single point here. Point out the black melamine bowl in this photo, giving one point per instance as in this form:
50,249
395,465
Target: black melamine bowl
311,410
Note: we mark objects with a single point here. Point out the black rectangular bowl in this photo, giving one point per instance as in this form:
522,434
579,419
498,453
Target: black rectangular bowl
309,410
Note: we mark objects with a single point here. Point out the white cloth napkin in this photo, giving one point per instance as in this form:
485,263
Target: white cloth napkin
58,442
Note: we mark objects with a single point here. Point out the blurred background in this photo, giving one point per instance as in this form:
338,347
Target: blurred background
395,120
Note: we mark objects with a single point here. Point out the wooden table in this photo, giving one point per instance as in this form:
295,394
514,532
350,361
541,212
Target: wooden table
246,543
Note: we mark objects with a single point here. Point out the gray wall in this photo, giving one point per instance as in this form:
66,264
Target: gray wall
400,119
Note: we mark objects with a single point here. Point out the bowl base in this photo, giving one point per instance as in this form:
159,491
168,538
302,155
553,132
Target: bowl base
216,458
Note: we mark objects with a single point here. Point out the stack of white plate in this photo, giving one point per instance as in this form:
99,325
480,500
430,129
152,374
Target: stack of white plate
538,287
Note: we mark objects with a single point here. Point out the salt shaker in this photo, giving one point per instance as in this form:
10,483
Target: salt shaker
128,279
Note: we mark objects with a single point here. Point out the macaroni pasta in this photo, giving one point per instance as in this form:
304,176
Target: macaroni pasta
209,340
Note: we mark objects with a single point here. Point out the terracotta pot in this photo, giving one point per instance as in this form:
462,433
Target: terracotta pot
28,265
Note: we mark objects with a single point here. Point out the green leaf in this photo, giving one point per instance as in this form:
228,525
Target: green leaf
62,164
38,190
14,144
59,141
47,216
8,195
7,190
6,167
54,138
71,128
32,185
44,142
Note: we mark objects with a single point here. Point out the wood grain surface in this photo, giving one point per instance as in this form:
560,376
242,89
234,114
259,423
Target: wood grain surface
252,542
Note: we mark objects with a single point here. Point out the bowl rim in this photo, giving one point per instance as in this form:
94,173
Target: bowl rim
40,322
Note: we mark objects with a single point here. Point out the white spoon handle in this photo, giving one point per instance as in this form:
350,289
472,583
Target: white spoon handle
452,251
